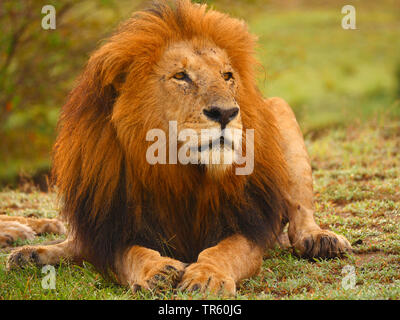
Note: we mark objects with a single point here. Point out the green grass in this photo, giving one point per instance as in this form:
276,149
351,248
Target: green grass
330,76
357,191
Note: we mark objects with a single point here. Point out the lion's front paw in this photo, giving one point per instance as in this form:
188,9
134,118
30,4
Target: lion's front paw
24,256
321,244
12,231
205,277
162,275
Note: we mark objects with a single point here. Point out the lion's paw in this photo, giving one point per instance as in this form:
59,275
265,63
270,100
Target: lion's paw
321,244
11,231
25,256
163,275
6,240
54,226
207,278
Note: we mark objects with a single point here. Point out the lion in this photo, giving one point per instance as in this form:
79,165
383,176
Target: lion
196,226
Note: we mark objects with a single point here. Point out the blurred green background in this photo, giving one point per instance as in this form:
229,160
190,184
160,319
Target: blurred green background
331,77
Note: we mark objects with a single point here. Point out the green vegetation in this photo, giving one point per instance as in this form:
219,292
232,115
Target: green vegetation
344,86
329,75
37,70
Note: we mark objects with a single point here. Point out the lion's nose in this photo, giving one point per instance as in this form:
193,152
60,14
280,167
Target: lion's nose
223,116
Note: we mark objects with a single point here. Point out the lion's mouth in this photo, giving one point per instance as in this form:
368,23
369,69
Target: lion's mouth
219,143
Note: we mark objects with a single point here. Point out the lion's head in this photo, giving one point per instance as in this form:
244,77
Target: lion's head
194,85
173,62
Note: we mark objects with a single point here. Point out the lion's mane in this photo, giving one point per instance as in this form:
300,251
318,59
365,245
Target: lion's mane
112,198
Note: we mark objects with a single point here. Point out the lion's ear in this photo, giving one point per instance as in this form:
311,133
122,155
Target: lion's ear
101,82
119,81
111,92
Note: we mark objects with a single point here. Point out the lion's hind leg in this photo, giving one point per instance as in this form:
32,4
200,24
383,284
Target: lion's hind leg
11,231
38,225
13,228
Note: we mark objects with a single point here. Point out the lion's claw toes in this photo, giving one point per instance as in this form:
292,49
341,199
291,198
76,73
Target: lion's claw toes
23,257
206,278
168,276
321,244
162,276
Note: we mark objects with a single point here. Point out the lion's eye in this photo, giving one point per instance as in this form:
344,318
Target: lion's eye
228,76
181,76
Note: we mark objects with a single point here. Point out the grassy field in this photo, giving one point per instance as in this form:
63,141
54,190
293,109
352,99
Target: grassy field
329,75
357,189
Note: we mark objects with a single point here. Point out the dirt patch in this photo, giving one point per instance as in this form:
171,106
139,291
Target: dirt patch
345,214
363,258
15,206
367,177
341,202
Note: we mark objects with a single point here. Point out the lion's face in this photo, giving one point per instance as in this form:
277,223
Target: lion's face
196,87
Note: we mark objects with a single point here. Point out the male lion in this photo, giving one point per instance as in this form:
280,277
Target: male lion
198,226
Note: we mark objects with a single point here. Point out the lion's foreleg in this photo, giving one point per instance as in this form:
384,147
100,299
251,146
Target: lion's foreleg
219,268
304,234
145,268
43,255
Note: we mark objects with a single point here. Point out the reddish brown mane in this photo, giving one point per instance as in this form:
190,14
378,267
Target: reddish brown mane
112,197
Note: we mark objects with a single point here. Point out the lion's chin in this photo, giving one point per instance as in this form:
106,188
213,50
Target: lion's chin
218,162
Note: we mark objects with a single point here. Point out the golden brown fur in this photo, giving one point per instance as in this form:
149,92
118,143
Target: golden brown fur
13,228
141,221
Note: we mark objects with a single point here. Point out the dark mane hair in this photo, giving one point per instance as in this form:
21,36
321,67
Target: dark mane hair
112,198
